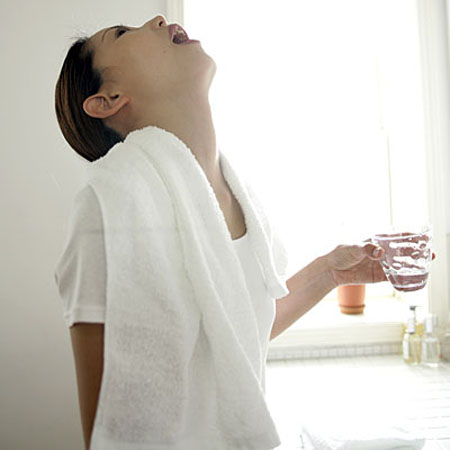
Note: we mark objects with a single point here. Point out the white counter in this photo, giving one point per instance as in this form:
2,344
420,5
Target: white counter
418,395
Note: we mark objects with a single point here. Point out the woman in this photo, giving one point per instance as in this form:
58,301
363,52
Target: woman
123,79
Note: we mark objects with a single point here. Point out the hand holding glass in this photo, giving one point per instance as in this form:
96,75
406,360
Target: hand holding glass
407,258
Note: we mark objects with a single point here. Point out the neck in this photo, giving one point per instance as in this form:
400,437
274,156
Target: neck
190,119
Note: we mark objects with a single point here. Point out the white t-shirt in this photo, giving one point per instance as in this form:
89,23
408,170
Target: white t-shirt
80,275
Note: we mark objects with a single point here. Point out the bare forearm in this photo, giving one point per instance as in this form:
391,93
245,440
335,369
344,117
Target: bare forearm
306,288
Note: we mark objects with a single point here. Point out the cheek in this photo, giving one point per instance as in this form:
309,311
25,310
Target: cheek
150,77
147,60
145,67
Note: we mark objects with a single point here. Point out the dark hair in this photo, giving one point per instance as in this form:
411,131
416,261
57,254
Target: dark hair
87,135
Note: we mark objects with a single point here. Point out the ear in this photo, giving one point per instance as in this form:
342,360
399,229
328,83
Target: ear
101,106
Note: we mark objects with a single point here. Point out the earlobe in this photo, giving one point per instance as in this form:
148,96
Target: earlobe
100,107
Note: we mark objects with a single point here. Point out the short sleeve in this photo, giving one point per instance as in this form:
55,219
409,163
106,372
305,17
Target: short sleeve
80,273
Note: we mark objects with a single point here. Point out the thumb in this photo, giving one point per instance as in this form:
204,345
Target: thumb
373,251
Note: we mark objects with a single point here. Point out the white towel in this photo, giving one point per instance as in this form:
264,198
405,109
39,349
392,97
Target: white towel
361,430
171,268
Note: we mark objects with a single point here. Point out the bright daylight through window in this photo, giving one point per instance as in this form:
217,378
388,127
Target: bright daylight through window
320,101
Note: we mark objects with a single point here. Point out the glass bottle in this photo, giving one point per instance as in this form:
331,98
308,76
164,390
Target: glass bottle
430,343
411,341
445,344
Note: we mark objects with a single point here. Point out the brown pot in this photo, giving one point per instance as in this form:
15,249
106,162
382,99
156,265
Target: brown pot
351,298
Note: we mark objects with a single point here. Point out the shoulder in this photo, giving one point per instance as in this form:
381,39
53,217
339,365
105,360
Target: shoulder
85,213
85,200
84,246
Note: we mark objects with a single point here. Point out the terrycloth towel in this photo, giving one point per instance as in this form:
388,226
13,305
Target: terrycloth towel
171,268
358,431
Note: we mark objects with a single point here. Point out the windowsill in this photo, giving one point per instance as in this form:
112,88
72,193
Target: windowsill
327,313
324,326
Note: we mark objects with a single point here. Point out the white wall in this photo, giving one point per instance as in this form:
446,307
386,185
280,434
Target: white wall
39,175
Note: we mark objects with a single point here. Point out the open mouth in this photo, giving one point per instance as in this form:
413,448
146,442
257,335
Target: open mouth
178,35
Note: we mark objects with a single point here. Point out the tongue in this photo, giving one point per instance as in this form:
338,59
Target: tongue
179,39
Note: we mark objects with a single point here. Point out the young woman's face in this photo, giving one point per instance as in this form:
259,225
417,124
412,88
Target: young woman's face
146,65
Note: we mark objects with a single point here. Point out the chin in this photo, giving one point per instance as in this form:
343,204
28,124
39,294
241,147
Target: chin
212,67
204,71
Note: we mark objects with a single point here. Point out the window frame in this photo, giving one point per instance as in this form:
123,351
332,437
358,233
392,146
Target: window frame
434,42
175,11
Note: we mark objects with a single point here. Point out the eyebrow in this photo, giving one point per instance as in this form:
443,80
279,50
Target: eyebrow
111,28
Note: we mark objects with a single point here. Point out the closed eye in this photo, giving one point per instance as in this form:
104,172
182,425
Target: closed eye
119,30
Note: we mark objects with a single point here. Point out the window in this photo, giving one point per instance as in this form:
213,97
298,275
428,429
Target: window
323,100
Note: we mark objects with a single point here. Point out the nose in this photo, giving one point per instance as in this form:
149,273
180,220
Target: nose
158,21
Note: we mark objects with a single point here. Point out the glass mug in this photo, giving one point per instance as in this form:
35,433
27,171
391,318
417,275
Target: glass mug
407,258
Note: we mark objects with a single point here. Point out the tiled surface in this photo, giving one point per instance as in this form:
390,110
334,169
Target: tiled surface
334,351
415,395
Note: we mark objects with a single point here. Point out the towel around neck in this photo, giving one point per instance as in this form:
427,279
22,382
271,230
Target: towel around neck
172,268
